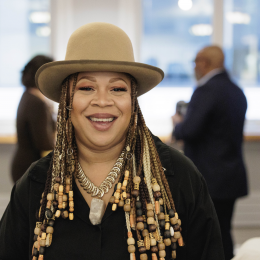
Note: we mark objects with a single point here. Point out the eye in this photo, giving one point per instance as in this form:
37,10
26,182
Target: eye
86,88
119,89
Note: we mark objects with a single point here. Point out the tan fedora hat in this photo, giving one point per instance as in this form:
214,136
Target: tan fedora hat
97,47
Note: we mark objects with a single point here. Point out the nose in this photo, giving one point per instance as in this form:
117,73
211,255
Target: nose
102,99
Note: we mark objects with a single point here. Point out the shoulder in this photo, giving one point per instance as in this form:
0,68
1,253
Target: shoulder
37,172
176,163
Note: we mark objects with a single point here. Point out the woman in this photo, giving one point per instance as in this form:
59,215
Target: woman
35,126
105,153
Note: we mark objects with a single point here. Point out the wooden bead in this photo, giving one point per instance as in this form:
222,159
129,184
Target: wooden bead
161,246
153,242
71,194
156,187
131,248
154,249
145,233
132,256
149,206
177,234
57,214
114,207
49,230
127,207
167,241
130,241
71,216
132,222
174,246
157,207
125,183
124,195
40,257
67,189
161,201
176,227
167,225
37,231
140,219
143,257
67,180
154,256
65,214
152,228
180,241
43,242
71,209
36,244
174,220
121,203
61,189
140,226
135,193
150,220
179,222
173,239
64,204
71,203
136,179
150,213
162,253
118,186
142,249
43,236
174,254
60,199
161,216
57,179
126,173
50,196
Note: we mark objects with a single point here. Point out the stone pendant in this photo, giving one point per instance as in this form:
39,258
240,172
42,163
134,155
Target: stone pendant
97,210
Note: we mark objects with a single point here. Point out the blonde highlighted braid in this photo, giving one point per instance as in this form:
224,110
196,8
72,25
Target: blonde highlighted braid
143,189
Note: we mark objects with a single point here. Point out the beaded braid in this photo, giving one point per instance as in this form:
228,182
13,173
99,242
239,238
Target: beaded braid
150,208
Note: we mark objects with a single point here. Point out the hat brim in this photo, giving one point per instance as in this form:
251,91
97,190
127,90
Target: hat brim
50,76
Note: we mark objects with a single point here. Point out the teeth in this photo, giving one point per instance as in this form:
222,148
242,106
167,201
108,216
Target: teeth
101,119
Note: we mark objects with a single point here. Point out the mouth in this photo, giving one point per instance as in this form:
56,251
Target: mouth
102,122
96,119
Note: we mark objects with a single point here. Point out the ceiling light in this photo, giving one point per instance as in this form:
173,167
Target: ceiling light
201,29
43,31
185,5
238,18
40,17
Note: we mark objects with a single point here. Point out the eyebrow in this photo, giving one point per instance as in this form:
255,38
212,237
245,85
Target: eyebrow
93,79
116,79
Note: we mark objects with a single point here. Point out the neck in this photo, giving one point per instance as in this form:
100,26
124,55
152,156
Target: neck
96,164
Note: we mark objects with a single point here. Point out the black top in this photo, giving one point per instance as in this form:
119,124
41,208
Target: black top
79,239
35,133
213,135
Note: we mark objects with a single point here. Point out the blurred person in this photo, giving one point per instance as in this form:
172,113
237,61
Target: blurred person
212,130
34,123
111,189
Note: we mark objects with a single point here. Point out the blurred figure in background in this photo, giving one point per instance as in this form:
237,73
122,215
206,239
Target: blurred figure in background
212,130
34,123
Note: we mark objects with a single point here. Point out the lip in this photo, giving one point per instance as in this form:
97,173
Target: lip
101,126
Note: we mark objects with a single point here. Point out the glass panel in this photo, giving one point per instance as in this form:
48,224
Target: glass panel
24,33
173,31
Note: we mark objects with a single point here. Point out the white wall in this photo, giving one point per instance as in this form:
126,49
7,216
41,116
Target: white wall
68,15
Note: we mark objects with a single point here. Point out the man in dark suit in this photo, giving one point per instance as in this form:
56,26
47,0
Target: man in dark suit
212,131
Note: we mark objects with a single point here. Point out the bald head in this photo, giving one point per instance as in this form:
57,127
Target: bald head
207,59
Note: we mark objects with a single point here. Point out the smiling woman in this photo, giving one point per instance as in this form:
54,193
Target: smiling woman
106,154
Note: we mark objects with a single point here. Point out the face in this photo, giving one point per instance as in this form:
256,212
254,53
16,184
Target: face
200,68
101,109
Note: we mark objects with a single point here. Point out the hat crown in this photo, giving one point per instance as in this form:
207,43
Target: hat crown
99,41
